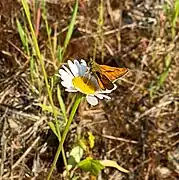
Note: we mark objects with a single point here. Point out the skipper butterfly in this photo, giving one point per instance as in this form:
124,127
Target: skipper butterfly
106,75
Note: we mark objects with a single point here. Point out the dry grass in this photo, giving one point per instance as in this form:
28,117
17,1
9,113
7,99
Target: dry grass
138,128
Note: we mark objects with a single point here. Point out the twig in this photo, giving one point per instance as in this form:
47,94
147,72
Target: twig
26,152
120,139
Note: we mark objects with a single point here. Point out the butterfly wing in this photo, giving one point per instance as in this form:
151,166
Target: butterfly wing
112,73
104,82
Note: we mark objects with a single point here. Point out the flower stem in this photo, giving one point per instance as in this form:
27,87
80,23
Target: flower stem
73,112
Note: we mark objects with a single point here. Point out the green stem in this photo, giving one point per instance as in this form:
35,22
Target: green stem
65,161
37,49
73,111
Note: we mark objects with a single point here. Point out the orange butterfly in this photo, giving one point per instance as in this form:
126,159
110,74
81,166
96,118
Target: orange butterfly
106,75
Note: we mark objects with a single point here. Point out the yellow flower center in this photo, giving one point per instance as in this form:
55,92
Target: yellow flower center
84,85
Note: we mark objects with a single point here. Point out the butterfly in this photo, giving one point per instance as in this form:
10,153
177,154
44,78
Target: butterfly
106,75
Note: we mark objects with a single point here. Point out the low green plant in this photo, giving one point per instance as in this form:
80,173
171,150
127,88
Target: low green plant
172,13
62,120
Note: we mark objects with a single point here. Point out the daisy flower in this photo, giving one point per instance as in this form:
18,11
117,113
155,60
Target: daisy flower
76,77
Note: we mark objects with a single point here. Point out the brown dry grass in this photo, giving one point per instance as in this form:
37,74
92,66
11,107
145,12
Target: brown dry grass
137,130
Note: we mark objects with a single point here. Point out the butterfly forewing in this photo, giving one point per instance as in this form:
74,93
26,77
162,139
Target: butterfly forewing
113,73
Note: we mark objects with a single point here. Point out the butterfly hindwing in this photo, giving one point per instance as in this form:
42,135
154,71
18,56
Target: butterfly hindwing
104,82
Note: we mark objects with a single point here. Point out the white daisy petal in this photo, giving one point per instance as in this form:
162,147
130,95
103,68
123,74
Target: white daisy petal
79,66
76,61
73,68
83,62
83,67
64,75
66,84
67,78
83,70
107,91
71,90
67,70
101,96
92,100
61,72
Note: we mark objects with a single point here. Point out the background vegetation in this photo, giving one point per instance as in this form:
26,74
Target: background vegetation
138,128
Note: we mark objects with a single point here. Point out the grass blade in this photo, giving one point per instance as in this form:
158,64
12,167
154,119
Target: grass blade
70,28
62,104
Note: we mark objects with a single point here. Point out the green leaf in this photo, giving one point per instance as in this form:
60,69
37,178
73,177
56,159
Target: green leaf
49,109
110,163
168,61
59,53
62,104
162,78
164,75
91,139
75,156
52,127
22,34
176,12
82,144
26,8
91,165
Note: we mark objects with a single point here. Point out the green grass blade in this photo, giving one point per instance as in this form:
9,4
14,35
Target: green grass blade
53,128
176,11
62,104
70,28
22,34
175,17
164,75
59,54
162,78
32,69
26,8
100,28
